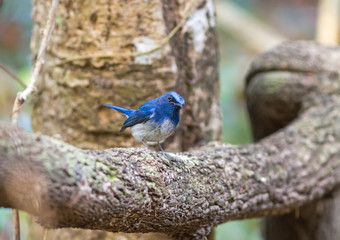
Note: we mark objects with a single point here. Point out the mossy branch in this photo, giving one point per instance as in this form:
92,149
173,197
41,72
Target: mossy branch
134,190
186,194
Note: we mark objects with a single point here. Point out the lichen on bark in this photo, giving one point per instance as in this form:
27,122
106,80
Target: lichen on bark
185,194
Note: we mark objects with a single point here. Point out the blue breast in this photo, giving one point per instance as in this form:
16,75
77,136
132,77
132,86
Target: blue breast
166,112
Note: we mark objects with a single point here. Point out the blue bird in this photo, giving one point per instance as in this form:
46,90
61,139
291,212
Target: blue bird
155,120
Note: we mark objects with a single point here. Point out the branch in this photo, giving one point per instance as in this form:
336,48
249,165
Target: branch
15,77
250,31
133,190
46,33
185,195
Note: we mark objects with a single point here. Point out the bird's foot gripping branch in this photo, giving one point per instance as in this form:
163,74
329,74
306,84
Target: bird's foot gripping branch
134,190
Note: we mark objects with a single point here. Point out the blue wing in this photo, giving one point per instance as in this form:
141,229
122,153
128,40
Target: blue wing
127,112
141,115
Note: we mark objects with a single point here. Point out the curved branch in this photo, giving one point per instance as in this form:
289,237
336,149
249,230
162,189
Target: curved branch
184,195
132,190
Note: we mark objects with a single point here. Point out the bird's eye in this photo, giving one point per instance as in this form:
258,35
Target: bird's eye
170,98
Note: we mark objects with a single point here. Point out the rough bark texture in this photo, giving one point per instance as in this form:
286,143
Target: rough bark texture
71,94
185,195
197,72
133,190
270,111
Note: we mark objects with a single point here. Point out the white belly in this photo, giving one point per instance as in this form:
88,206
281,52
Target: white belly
152,132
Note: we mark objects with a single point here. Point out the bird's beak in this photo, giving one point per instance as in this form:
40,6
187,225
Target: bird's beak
178,105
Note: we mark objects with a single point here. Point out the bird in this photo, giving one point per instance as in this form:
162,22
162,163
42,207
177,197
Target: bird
155,120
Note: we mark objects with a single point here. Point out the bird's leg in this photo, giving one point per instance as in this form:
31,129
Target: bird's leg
160,146
145,145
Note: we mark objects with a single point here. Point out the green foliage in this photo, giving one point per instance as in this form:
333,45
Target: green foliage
236,128
239,230
6,224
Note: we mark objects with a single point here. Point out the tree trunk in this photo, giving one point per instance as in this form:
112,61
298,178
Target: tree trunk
96,56
270,111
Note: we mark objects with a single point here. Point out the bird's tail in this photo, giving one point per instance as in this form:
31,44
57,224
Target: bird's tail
126,111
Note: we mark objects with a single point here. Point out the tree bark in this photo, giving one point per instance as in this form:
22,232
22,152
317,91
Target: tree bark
185,195
106,38
270,112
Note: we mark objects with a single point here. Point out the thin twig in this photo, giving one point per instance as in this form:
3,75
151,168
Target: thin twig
45,234
22,96
16,220
134,54
15,77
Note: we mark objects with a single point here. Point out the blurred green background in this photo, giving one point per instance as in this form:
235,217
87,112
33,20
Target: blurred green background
245,29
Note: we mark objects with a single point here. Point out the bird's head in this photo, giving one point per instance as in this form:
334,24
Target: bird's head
174,98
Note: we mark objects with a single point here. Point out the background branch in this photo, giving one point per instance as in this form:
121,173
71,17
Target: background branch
46,33
240,25
15,77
